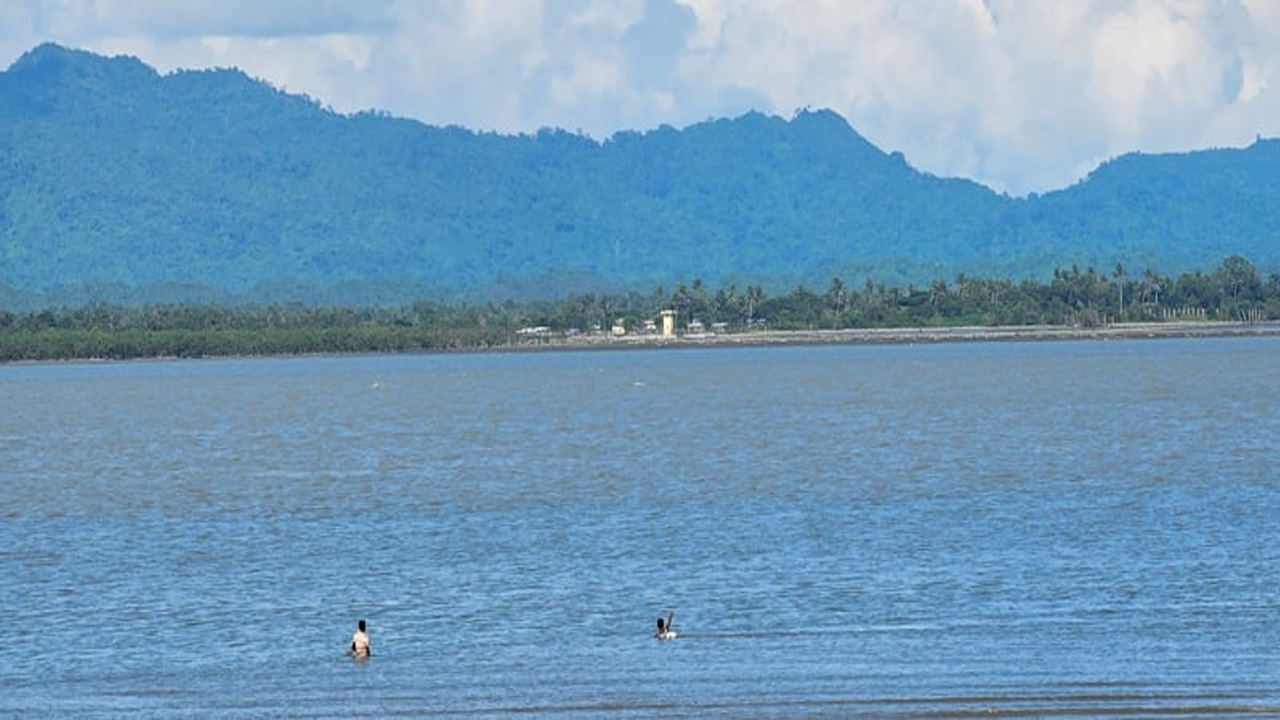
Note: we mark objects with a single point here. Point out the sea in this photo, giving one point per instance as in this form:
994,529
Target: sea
1017,529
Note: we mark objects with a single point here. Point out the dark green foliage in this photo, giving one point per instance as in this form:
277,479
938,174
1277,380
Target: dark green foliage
119,184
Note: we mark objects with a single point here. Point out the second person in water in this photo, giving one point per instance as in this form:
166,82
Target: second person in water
664,632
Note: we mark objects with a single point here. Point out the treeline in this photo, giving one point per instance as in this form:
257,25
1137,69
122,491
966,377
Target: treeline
1235,291
188,331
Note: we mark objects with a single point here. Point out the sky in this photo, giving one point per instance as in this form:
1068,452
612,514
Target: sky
1019,95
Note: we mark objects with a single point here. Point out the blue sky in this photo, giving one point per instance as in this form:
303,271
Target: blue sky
1021,95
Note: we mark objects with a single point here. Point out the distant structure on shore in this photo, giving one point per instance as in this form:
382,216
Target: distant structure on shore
668,323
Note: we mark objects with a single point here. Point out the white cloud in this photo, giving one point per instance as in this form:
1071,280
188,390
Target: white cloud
1019,95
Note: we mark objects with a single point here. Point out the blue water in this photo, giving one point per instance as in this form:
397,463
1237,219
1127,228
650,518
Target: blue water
1069,528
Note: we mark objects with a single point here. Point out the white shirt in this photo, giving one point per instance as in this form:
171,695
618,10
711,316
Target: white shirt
360,641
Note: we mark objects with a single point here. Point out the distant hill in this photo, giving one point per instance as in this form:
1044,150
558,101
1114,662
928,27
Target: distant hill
117,182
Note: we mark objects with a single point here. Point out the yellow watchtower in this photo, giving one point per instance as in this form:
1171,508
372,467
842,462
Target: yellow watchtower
668,323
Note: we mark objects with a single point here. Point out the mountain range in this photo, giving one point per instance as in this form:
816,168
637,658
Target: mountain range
118,183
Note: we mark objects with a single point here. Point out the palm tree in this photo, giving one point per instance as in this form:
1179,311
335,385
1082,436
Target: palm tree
700,304
755,296
937,291
1119,274
1153,283
606,313
837,297
722,304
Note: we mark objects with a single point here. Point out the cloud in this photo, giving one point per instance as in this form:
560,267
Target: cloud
1022,96
177,20
1019,95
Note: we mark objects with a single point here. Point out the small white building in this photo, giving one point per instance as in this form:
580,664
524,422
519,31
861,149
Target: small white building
668,323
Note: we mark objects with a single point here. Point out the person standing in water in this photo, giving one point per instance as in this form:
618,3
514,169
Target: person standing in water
664,632
360,642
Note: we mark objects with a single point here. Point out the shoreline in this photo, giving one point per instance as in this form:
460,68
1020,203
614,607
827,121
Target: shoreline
908,336
777,338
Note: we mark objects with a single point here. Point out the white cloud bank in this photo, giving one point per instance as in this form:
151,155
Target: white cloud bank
1021,95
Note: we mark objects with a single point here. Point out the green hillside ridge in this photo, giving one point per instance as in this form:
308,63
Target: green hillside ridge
120,184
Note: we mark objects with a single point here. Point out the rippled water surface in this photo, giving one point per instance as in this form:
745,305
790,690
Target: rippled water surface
1017,528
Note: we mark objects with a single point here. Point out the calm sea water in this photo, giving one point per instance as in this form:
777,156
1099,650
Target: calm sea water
1044,528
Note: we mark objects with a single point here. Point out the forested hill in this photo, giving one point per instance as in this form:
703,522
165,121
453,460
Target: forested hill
114,177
